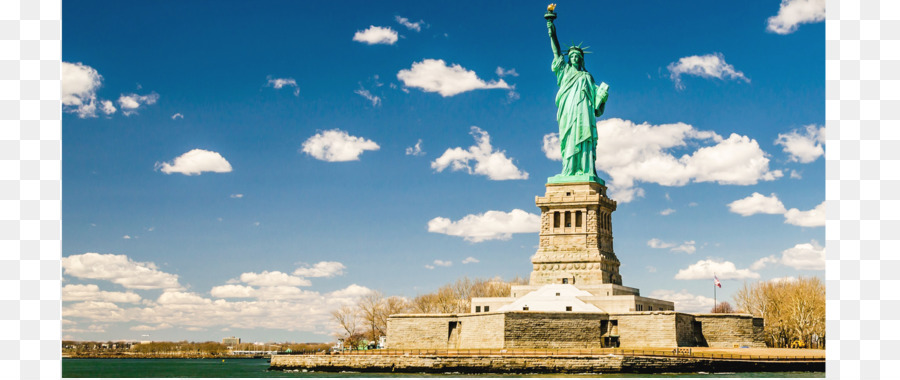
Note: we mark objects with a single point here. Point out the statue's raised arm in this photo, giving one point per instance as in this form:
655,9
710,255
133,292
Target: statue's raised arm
550,16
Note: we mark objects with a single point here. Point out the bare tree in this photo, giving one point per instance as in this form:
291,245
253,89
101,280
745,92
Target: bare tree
722,308
793,311
347,317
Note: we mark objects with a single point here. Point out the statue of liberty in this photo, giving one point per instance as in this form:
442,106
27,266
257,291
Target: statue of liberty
579,102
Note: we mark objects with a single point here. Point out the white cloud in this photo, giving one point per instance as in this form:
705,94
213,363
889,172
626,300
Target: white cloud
126,237
79,84
429,266
433,75
195,162
131,102
491,225
811,218
705,269
376,35
376,101
659,244
177,116
796,175
279,83
488,162
470,259
792,13
274,278
642,152
161,326
668,211
91,292
321,269
803,146
757,204
704,66
233,291
415,150
336,145
804,256
688,247
107,107
442,263
685,302
417,26
236,195
551,147
808,256
784,279
119,269
501,72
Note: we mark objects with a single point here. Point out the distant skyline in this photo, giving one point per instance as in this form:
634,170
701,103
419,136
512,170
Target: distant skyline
244,169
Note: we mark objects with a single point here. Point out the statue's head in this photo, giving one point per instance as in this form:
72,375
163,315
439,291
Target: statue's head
576,56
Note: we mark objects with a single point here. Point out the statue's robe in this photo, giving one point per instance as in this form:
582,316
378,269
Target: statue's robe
578,102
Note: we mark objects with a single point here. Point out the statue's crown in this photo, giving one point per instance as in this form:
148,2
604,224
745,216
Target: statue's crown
579,49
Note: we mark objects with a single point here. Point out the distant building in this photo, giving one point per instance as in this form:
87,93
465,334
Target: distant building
231,341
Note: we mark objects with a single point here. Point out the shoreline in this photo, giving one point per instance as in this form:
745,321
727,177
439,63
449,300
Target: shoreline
521,364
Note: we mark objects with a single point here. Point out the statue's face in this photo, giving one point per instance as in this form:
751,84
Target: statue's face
576,59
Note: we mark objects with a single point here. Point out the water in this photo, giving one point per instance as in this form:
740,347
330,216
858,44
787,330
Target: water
254,368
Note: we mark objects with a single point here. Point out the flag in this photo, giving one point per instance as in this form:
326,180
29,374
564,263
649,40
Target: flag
716,278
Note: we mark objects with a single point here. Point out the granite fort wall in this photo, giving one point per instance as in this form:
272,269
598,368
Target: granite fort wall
483,330
406,331
728,330
646,329
524,329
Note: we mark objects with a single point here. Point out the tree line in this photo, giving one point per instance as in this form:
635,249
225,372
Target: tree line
793,311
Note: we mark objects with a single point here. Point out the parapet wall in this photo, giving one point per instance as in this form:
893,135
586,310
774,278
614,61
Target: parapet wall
553,330
728,330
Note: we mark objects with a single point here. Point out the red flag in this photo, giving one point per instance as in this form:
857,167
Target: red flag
716,278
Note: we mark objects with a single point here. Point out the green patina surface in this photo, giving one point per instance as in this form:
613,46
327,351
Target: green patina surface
579,102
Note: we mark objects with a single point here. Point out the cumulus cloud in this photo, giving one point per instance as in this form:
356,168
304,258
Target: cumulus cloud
336,145
177,116
488,162
107,107
688,247
804,256
321,269
470,260
79,84
433,75
91,292
417,26
376,35
810,218
704,66
668,211
376,101
119,269
415,150
757,204
279,83
633,153
761,204
274,278
685,302
233,291
501,72
491,225
551,147
131,102
705,269
442,263
803,146
195,162
792,13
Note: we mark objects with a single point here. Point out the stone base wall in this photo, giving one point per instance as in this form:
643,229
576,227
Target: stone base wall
645,329
553,330
482,330
728,330
419,331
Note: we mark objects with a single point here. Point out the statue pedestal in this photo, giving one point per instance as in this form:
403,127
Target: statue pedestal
560,178
576,236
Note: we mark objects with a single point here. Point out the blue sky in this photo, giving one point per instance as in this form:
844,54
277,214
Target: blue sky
243,168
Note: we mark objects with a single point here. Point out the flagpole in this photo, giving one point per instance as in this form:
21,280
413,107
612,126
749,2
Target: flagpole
715,301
